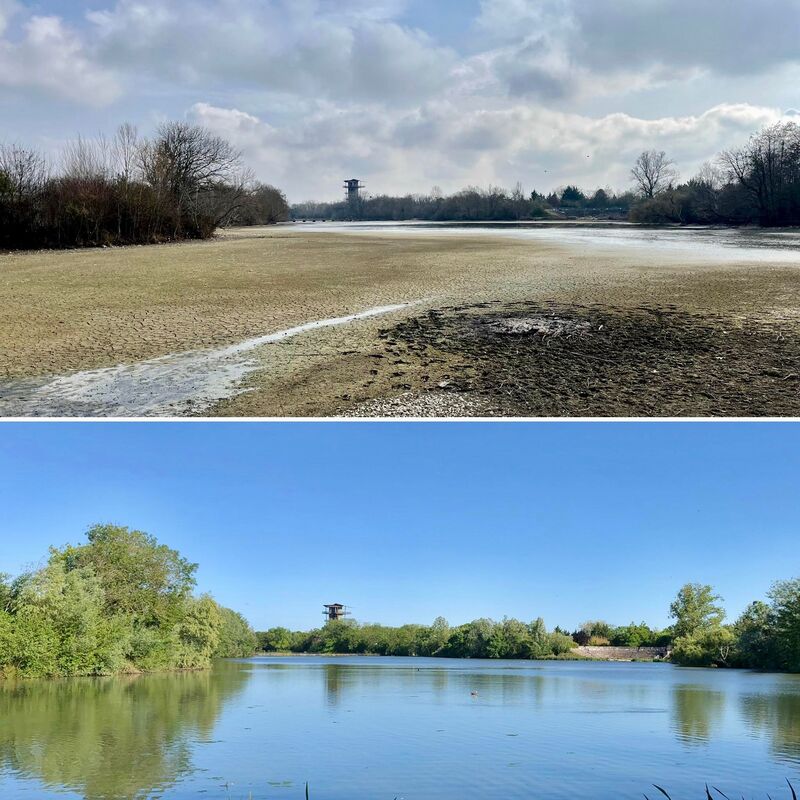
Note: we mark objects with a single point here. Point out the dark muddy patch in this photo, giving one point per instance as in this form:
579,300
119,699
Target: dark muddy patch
535,359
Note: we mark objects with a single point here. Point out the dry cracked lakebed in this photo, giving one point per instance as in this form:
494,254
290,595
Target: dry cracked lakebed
551,359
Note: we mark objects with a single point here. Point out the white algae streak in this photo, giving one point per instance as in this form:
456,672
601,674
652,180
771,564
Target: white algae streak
173,385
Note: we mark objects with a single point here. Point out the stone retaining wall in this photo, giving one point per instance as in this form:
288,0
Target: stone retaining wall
622,653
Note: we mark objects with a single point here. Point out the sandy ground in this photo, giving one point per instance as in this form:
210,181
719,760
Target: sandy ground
61,312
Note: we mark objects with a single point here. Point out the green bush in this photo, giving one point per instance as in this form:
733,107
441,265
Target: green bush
121,602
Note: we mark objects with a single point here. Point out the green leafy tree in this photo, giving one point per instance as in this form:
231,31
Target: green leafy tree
139,576
755,636
236,637
510,639
197,633
6,592
633,635
695,609
560,643
438,636
785,623
540,642
714,646
121,602
275,639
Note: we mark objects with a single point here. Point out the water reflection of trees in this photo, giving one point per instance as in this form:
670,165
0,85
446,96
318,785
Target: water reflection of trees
437,683
111,738
778,717
696,712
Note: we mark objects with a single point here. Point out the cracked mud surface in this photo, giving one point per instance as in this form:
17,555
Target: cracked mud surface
529,358
67,312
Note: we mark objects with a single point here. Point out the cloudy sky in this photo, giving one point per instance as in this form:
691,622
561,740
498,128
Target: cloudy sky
408,94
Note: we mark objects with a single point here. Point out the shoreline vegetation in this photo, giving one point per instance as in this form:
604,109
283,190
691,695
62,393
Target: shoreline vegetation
119,604
756,184
185,183
122,603
766,636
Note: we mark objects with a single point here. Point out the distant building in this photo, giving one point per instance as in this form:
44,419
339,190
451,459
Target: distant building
335,611
353,187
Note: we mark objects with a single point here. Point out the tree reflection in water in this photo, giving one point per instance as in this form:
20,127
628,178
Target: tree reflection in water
696,712
776,716
121,737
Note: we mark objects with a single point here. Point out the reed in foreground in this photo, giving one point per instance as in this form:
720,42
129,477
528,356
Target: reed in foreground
710,796
712,793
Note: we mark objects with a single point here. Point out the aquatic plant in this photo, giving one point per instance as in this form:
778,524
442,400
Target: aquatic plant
710,796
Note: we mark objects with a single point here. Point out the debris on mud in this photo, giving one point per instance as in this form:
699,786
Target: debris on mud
423,405
544,326
547,359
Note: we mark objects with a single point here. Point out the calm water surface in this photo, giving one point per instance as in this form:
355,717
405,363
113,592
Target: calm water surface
735,245
405,728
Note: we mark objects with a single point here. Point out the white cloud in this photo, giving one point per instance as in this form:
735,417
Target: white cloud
731,37
451,146
348,49
313,90
552,49
52,58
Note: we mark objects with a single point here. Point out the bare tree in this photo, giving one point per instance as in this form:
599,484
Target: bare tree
187,165
261,204
24,171
768,167
126,146
86,159
653,172
187,158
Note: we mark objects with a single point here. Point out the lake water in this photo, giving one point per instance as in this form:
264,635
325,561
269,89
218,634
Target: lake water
750,245
402,728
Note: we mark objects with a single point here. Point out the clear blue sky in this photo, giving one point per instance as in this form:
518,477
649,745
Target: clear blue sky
407,521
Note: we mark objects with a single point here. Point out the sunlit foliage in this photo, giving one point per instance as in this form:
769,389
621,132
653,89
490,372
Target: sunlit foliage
121,602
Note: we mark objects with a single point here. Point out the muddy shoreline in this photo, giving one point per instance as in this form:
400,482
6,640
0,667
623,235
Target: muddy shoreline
64,314
534,359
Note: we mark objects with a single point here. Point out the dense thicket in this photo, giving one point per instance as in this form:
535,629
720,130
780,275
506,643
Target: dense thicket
758,183
481,638
121,602
182,184
765,636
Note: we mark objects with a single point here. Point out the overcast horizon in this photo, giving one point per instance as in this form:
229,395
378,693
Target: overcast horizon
407,94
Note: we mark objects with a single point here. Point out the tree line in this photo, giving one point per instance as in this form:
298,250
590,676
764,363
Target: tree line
766,636
183,183
472,204
758,183
481,638
119,603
